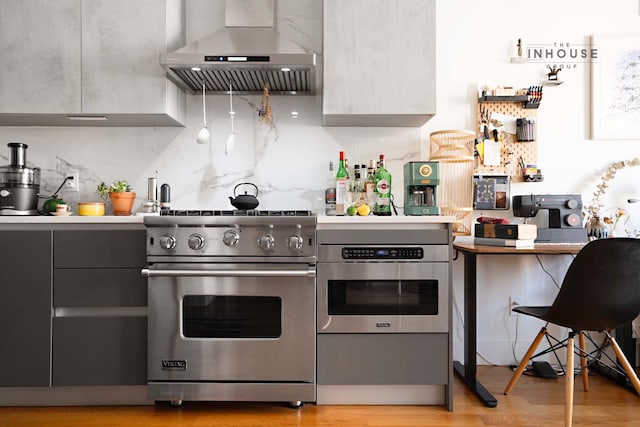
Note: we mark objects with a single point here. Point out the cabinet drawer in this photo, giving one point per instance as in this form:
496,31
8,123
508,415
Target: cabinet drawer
99,288
381,359
99,248
99,351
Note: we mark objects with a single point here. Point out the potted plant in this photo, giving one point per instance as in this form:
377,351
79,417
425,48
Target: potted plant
120,195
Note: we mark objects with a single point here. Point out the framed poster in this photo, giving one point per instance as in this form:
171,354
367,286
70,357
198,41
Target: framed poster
615,87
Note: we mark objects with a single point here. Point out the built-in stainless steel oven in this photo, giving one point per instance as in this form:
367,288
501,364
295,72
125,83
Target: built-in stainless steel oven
231,308
383,288
384,313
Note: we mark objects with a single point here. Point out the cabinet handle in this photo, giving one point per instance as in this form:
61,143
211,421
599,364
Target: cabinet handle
100,312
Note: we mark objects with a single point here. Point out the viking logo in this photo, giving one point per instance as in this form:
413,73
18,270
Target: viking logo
174,365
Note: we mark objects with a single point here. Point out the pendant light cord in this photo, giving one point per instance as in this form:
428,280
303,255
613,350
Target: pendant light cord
204,108
231,112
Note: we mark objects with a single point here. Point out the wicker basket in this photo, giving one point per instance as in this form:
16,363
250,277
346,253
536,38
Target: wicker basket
452,146
453,149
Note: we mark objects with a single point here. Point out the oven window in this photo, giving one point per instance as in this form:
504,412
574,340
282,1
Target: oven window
383,297
216,316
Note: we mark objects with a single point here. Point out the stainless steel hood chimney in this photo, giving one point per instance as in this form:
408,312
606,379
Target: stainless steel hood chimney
248,53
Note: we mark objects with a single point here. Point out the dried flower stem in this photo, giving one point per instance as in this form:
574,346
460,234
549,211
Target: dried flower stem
593,210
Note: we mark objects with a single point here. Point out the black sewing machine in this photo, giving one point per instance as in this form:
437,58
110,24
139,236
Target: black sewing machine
564,220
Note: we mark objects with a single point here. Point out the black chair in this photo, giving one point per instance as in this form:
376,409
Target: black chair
600,292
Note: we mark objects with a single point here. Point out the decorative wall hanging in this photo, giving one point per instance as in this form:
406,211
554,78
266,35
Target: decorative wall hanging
615,87
264,112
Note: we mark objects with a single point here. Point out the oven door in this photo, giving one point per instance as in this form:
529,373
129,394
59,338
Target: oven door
367,297
231,322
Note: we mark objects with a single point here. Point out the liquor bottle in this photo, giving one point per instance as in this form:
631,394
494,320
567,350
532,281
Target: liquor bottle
370,186
383,190
357,190
342,186
330,192
356,175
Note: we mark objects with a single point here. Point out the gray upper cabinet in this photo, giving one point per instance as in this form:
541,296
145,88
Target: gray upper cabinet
379,62
89,58
40,67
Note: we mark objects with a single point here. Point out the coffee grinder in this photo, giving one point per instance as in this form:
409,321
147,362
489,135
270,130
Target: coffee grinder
420,182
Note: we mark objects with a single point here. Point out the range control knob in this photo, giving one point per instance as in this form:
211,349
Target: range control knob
167,242
294,243
195,241
266,242
231,238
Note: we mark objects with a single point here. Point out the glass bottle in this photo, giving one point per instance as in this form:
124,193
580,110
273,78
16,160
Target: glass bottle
356,174
342,186
383,189
358,187
370,185
330,192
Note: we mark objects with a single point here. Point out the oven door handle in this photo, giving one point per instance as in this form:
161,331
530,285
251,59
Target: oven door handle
146,272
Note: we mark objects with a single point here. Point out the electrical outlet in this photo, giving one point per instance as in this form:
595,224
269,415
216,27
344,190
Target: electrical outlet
73,185
514,301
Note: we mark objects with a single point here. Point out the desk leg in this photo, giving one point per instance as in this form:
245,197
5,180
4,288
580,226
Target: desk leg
624,337
468,371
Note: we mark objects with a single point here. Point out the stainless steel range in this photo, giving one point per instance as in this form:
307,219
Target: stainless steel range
231,306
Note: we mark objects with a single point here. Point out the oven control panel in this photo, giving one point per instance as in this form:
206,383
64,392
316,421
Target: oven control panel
383,253
290,240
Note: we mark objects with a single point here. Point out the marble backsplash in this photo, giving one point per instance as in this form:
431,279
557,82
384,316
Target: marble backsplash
287,160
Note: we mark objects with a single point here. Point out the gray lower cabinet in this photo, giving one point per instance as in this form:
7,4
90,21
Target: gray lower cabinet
91,351
367,359
25,308
99,300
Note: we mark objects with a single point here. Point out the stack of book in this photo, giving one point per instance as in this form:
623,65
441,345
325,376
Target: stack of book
514,235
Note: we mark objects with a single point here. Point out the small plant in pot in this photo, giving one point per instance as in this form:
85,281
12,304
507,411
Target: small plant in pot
120,195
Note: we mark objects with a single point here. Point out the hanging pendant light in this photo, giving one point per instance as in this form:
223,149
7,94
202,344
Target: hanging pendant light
204,136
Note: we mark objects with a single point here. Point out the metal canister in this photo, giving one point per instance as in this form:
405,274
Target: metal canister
165,197
152,189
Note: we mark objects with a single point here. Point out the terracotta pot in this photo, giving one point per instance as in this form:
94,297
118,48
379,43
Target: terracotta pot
122,203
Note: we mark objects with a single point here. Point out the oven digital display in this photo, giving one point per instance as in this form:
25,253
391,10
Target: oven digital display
406,252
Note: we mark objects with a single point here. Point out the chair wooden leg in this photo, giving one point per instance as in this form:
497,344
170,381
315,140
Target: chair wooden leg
631,373
525,360
583,362
568,391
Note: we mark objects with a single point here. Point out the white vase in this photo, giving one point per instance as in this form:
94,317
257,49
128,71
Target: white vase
596,229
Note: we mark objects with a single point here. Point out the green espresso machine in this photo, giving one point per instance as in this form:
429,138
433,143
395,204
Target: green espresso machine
420,182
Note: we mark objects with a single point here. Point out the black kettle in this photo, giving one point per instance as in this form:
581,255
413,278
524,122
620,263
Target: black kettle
244,201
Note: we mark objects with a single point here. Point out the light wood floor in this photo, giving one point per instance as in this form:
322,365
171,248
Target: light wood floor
533,402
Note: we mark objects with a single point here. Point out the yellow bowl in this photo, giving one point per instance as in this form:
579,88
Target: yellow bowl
91,209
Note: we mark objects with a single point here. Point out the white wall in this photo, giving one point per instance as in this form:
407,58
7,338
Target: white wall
288,161
474,42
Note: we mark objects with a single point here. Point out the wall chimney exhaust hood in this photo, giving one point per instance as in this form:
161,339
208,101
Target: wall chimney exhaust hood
249,53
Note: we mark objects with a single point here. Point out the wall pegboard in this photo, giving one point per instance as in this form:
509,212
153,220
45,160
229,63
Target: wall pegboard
510,148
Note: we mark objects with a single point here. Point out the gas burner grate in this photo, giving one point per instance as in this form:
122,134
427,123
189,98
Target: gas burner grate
236,212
